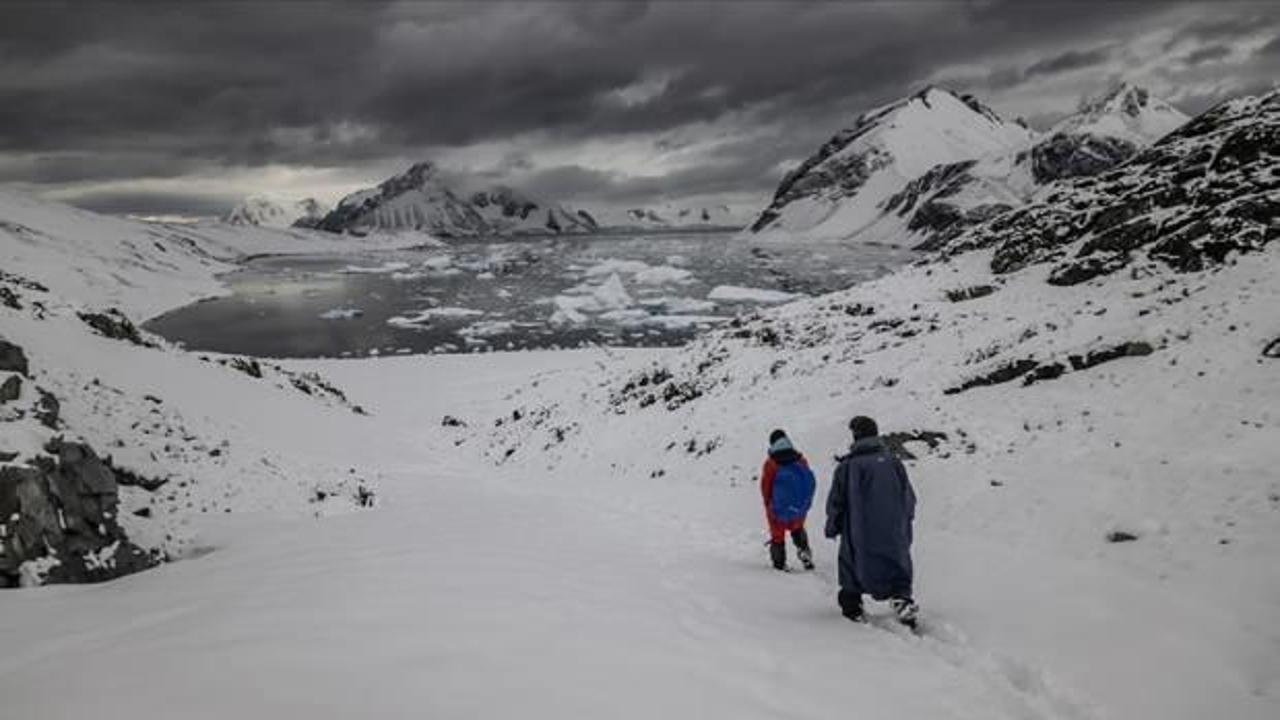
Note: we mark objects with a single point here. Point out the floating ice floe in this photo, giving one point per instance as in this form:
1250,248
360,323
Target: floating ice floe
640,271
613,266
385,268
679,305
341,314
609,296
424,317
487,329
734,293
662,274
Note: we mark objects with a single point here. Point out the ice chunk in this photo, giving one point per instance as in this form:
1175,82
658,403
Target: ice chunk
341,314
662,275
734,293
613,266
387,267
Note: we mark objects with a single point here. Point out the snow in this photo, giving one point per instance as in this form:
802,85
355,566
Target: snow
271,212
508,573
425,317
392,266
662,275
341,314
734,293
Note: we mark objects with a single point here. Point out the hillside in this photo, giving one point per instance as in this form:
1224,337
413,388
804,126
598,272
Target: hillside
927,207
1083,389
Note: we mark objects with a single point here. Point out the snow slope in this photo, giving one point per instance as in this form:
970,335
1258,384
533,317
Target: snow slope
672,216
581,536
838,192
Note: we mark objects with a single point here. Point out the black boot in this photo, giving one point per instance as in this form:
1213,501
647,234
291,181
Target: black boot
851,605
778,553
801,539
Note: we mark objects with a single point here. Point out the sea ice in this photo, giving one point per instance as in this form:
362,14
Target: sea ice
734,293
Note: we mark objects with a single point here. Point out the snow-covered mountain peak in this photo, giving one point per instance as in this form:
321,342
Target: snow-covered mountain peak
421,199
838,191
258,210
1127,112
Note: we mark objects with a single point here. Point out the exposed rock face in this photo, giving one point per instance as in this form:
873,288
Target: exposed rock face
113,324
1067,156
1209,189
13,359
59,520
1104,133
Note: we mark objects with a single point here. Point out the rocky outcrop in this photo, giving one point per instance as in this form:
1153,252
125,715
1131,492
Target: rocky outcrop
13,359
58,506
113,324
949,199
59,520
1205,191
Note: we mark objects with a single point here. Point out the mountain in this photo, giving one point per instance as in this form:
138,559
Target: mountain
258,210
1126,112
672,216
420,199
1104,133
266,212
838,192
940,203
308,213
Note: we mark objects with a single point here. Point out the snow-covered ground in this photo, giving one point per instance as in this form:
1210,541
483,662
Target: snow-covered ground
568,545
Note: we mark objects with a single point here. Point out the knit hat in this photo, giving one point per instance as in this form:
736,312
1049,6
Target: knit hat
863,427
779,442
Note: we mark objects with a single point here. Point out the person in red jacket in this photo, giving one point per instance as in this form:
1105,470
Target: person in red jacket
786,501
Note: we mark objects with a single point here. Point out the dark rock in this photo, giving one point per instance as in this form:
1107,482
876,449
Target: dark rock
1086,269
451,421
1077,155
11,389
1052,371
143,512
1135,348
113,324
247,366
1272,350
48,409
969,293
129,478
9,298
13,359
896,441
1003,374
1120,536
65,505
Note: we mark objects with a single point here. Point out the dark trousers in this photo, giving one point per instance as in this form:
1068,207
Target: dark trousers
778,547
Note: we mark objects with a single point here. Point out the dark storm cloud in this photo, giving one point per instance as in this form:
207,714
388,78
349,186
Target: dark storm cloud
144,203
1067,61
1208,53
114,91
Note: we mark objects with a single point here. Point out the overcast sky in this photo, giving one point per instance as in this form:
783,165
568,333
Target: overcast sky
182,108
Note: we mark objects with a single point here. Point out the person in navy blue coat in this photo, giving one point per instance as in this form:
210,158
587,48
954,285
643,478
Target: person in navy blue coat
871,508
